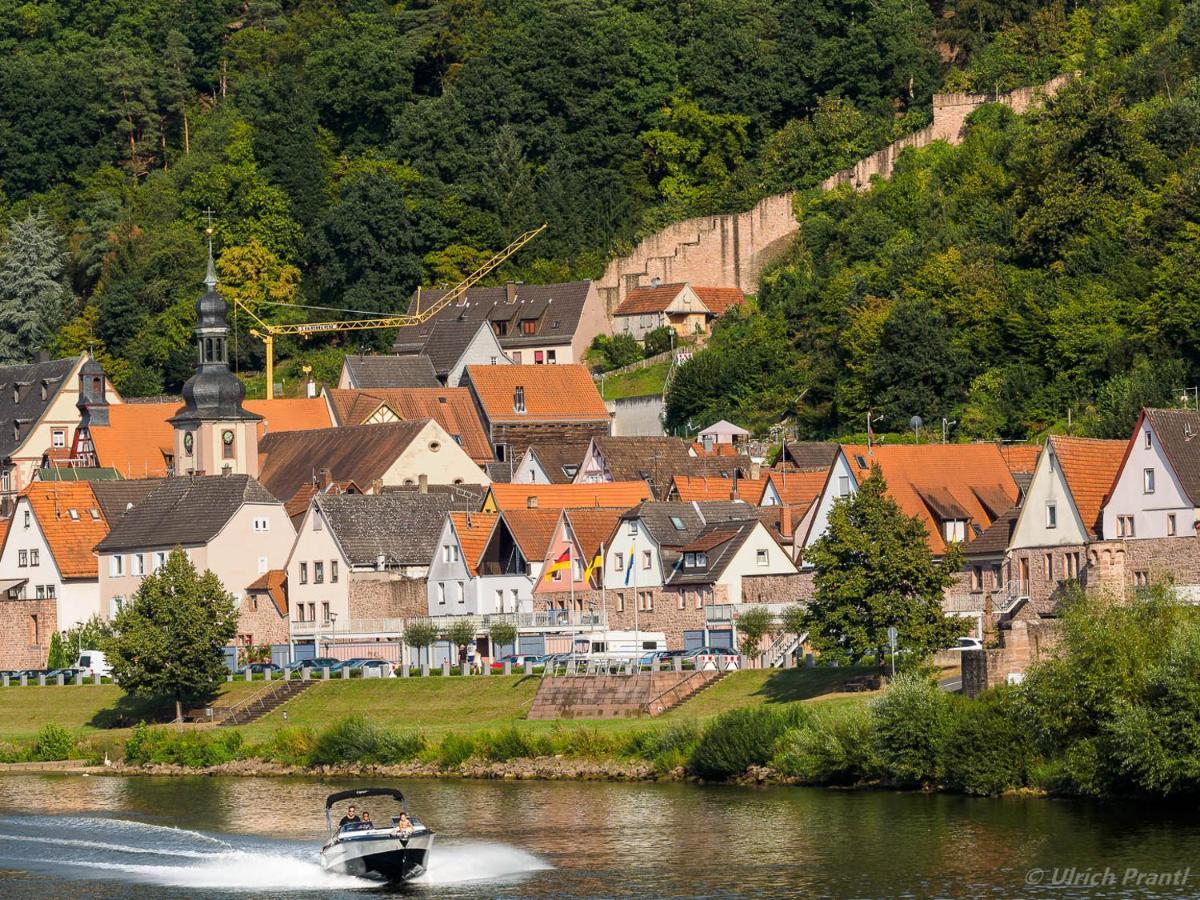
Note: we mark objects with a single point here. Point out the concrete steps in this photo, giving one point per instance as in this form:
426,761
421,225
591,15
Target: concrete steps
617,696
264,703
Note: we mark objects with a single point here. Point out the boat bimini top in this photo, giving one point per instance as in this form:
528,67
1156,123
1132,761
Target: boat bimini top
360,792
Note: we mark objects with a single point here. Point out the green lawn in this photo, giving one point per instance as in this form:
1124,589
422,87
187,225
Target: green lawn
433,705
88,708
639,383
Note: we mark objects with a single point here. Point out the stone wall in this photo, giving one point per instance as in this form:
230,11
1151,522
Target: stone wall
518,437
1023,643
732,250
611,696
663,615
1120,566
778,588
259,618
385,595
24,645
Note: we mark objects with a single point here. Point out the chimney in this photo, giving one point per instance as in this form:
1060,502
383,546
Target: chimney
655,281
733,492
42,356
531,502
423,483
785,522
755,470
510,291
324,479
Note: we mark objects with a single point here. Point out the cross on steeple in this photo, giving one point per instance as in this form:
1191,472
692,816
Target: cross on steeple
210,277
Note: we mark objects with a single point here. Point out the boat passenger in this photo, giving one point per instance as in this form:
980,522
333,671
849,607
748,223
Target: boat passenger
366,824
351,817
404,824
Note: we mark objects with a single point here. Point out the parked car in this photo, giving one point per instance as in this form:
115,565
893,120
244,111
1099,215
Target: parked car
93,662
259,667
518,661
316,662
68,673
354,664
31,674
967,643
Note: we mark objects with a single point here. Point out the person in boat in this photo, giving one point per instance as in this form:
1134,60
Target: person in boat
366,824
350,818
404,824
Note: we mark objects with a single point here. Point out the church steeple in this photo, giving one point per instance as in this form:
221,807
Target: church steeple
214,432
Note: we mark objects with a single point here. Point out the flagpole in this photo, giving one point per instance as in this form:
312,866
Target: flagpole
637,602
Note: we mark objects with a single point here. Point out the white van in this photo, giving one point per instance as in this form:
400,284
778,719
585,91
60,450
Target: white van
627,643
93,663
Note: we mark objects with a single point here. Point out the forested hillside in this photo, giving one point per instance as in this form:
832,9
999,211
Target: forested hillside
1047,270
352,150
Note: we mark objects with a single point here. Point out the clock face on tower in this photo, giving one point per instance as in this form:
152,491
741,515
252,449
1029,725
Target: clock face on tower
227,437
188,440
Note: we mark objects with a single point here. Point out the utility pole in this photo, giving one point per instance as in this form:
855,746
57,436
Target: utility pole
947,424
871,420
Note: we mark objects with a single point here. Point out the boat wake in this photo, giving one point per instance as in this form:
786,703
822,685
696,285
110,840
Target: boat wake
124,850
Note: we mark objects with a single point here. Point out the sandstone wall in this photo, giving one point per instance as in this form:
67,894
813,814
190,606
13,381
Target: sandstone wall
385,595
732,250
778,588
1023,644
24,644
259,618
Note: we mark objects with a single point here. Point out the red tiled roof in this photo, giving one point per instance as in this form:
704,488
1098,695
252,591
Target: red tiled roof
687,488
719,300
473,530
1090,467
452,408
923,478
799,487
70,537
623,494
274,585
646,300
532,529
564,393
1021,457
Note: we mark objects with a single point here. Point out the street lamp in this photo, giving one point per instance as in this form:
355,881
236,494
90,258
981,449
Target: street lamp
1189,397
332,629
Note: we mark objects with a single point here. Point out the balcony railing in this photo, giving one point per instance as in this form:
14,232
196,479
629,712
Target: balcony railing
724,613
546,620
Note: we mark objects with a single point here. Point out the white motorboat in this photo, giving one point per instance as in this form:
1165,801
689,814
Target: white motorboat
392,850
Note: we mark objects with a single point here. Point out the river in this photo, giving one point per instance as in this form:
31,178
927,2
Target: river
70,836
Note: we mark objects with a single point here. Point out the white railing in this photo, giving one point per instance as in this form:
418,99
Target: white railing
785,644
545,620
729,612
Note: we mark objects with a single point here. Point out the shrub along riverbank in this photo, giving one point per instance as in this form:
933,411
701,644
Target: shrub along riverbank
1115,713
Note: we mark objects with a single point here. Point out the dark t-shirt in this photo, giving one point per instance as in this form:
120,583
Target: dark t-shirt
346,820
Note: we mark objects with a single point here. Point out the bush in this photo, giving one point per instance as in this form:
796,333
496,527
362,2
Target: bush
355,739
909,724
510,743
740,738
667,748
657,341
290,746
193,749
584,743
454,750
616,351
53,742
988,750
833,747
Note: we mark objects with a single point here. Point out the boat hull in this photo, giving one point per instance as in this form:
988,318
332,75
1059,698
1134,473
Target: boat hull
380,857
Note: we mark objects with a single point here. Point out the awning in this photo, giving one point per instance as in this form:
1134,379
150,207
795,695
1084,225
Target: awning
11,584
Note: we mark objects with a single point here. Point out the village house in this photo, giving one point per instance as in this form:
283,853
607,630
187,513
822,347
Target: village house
722,434
697,488
520,406
618,494
451,346
229,524
38,416
362,371
534,324
574,564
371,457
452,408
358,567
655,460
682,307
549,462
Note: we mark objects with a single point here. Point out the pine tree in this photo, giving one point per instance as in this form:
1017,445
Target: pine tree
874,571
33,298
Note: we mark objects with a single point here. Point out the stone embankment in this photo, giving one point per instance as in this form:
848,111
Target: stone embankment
731,250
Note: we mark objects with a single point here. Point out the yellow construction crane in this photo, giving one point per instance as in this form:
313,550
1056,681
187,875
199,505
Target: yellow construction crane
268,332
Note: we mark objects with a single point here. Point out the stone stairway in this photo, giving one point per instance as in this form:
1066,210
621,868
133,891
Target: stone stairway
260,704
617,696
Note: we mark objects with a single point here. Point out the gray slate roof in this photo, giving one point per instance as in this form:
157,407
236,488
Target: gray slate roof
186,510
996,537
809,454
657,518
555,456
21,401
556,308
1178,433
116,497
720,542
381,371
404,526
657,460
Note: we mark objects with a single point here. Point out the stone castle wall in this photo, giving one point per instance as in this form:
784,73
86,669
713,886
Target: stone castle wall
731,250
25,645
385,595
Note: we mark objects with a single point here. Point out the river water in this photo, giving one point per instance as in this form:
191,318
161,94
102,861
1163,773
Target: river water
72,836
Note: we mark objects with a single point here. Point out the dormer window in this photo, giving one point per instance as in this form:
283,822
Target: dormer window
45,393
529,326
519,400
501,328
695,560
954,530
16,393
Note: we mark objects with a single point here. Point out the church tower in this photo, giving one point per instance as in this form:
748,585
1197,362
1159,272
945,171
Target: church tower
214,434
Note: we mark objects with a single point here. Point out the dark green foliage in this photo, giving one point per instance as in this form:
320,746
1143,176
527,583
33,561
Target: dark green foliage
834,746
358,739
660,340
988,750
510,743
454,750
753,625
874,570
910,723
53,742
616,351
736,740
169,636
192,749
365,144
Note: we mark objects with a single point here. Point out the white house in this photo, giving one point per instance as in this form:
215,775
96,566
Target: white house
1156,492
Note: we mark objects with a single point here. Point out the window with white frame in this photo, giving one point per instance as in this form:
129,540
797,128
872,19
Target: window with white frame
262,565
116,566
1170,524
843,485
22,558
462,592
28,518
441,594
333,571
1148,439
763,557
35,557
619,562
1148,481
58,438
304,573
633,527
646,559
318,572
139,564
160,559
1051,515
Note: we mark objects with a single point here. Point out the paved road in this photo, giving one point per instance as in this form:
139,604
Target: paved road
951,685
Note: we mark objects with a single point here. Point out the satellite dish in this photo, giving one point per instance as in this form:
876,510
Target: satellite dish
915,422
